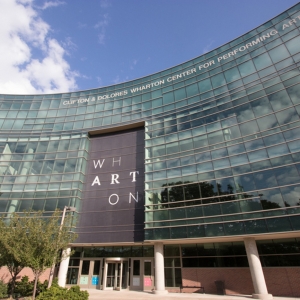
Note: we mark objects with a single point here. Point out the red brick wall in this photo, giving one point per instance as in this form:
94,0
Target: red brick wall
284,281
5,276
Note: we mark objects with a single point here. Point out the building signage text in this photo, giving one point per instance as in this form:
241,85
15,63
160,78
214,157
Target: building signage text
189,72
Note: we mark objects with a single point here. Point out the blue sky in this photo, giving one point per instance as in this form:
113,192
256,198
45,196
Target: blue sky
60,46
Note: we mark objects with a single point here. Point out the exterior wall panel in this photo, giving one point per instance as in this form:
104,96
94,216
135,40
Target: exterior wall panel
113,196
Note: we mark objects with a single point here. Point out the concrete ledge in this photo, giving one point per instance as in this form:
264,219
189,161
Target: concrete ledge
164,292
262,296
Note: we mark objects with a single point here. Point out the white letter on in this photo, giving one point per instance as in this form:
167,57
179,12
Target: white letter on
135,199
116,161
114,178
98,163
96,180
134,175
111,203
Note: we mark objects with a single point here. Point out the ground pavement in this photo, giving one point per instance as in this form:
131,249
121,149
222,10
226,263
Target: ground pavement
128,295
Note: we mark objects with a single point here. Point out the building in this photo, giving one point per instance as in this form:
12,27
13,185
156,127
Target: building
183,177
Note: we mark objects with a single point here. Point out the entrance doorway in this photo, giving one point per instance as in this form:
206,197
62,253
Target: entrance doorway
90,274
148,275
116,274
142,274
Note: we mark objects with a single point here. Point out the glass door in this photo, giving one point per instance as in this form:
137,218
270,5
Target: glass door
148,274
84,273
115,275
90,274
112,275
95,276
136,282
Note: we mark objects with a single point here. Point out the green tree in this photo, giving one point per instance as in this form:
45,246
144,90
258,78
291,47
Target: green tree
8,235
14,267
38,240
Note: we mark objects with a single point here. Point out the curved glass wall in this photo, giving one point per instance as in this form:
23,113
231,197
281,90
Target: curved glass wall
222,139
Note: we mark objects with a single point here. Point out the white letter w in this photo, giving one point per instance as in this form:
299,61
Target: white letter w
98,163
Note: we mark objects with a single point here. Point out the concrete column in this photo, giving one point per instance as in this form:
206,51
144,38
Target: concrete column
104,276
121,274
159,269
258,278
63,268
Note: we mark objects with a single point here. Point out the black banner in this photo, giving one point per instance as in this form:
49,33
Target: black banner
113,196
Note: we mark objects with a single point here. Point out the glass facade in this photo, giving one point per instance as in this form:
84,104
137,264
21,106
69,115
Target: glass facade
222,163
222,139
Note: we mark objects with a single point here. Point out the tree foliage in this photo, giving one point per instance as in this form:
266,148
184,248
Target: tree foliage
7,259
35,241
3,289
24,287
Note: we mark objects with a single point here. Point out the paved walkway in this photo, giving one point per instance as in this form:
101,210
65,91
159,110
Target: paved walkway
128,295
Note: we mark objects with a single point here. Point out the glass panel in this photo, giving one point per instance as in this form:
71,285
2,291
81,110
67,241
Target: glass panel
189,250
72,276
171,250
249,128
278,224
278,150
110,280
279,53
96,270
291,195
267,122
287,116
246,68
85,267
262,61
218,80
232,74
257,155
265,179
255,226
136,268
293,45
271,199
147,268
173,277
280,100
250,205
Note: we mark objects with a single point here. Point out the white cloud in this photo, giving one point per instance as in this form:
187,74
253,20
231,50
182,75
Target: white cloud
99,80
48,4
31,61
208,47
82,25
69,44
135,61
101,25
118,79
104,3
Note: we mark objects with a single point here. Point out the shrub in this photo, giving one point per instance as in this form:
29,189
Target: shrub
58,293
24,287
3,289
